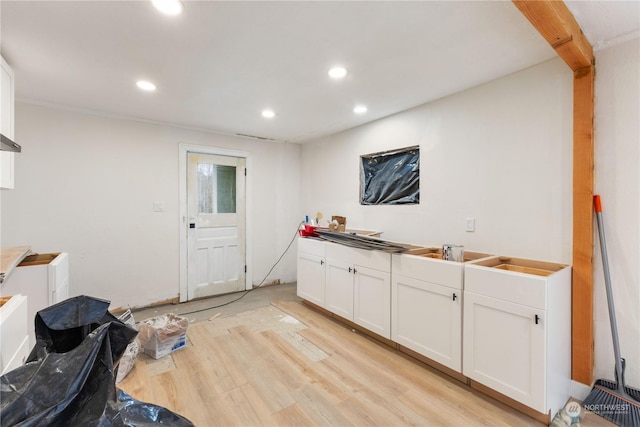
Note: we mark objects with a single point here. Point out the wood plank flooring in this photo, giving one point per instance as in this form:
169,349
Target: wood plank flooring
243,376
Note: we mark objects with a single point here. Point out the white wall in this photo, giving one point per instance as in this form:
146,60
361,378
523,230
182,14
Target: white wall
86,184
617,161
500,153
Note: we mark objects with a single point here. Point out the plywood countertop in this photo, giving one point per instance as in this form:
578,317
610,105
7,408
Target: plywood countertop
10,258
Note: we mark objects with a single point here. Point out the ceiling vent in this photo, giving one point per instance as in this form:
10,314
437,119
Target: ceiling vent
262,138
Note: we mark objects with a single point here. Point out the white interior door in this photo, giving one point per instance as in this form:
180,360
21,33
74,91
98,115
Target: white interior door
216,254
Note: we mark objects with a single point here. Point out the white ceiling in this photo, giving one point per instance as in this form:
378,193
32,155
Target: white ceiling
219,64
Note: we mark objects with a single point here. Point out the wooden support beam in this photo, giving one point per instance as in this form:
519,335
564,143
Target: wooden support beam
583,165
556,24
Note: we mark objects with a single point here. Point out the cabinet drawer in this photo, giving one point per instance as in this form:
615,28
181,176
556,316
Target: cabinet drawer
520,281
444,273
312,246
377,260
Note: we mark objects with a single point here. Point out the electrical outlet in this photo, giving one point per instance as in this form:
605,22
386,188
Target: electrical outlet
158,206
471,224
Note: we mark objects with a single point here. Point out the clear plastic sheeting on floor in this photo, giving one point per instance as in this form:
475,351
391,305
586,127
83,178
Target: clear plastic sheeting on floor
69,377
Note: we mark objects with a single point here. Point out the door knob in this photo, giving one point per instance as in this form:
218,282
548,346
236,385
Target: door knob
192,225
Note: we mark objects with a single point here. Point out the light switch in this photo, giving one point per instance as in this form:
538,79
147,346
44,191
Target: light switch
158,206
471,224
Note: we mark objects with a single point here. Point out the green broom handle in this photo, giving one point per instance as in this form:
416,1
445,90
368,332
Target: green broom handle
607,282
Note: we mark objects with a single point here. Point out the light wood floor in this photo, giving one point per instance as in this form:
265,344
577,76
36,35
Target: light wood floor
333,376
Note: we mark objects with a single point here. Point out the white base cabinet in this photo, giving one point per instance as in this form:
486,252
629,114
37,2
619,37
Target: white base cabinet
517,330
43,279
14,340
427,318
339,287
426,304
358,287
502,322
372,298
311,270
354,284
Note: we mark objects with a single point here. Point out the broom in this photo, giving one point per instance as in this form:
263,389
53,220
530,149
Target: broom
612,400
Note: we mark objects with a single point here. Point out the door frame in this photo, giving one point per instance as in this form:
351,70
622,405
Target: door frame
183,149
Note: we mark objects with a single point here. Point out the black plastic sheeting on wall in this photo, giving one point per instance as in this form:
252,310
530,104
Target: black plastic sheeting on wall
391,178
69,377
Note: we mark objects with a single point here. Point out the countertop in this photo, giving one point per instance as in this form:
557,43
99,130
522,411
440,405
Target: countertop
10,258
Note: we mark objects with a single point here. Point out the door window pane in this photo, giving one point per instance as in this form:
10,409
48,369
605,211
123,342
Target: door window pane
226,189
216,188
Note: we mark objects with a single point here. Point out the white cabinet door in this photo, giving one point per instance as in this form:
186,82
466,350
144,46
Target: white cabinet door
372,300
311,278
13,333
356,283
6,123
427,318
339,288
504,348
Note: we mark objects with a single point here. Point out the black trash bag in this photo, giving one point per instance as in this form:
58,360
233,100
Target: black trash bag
67,385
63,326
391,178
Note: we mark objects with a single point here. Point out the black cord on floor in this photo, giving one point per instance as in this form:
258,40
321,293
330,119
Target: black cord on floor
252,289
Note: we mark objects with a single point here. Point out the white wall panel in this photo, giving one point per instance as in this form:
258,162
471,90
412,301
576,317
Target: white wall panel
88,184
500,153
617,160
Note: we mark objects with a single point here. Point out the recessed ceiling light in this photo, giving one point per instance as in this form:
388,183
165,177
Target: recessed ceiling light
146,85
337,72
168,7
360,109
268,114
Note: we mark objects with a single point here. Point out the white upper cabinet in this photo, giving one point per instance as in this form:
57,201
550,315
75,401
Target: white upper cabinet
6,123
